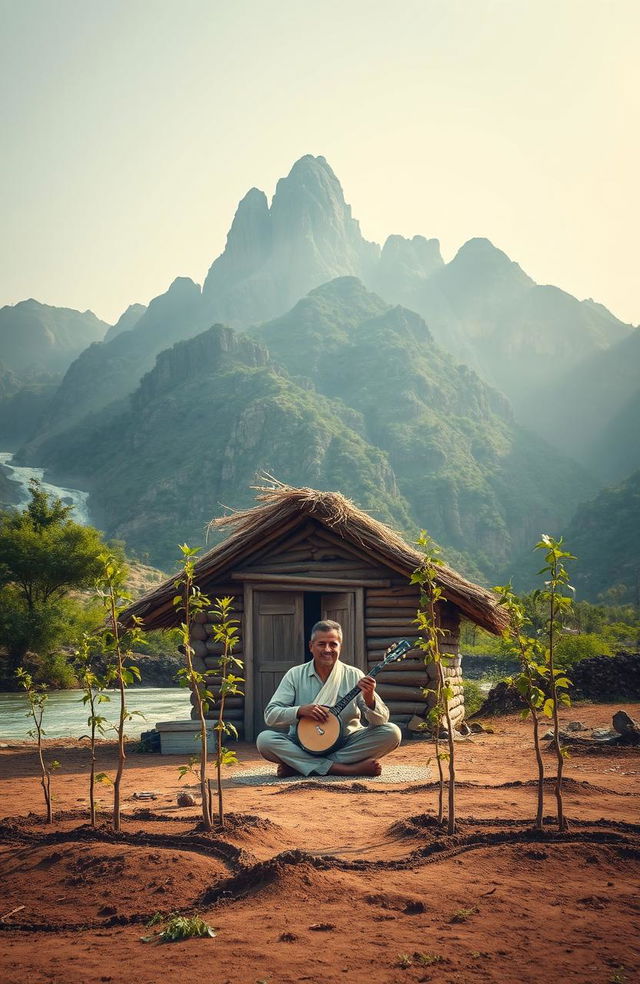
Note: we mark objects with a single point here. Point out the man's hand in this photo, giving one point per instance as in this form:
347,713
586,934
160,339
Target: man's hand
368,687
314,711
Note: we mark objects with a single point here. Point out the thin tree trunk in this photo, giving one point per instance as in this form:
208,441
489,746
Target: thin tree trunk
451,825
45,780
206,810
438,759
536,743
219,743
121,752
92,776
562,823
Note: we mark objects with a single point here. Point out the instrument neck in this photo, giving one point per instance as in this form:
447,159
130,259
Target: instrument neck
342,703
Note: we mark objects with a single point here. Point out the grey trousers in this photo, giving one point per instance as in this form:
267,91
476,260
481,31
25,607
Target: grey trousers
372,742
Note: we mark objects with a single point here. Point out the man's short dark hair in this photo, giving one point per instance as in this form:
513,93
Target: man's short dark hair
326,625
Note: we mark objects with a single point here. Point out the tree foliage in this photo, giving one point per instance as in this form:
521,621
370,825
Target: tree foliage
44,556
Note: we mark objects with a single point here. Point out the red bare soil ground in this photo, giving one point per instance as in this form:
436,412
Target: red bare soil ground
323,883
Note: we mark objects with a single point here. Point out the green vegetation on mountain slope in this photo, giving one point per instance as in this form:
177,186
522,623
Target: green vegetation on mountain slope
212,414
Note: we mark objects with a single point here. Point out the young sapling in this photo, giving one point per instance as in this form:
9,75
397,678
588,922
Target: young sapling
189,600
225,633
117,644
558,605
37,697
93,686
425,577
530,681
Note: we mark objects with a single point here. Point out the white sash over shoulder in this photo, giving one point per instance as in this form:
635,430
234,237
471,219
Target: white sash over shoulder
330,690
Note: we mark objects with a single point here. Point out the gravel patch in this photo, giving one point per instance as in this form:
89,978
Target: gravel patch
264,775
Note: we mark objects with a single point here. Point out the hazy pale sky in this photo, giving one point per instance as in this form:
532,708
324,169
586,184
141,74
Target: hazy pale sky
132,128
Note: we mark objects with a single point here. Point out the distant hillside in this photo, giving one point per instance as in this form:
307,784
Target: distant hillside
593,411
214,411
107,372
516,334
126,321
36,336
348,393
479,482
604,536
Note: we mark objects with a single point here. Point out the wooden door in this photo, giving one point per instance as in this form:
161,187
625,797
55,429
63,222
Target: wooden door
339,606
278,643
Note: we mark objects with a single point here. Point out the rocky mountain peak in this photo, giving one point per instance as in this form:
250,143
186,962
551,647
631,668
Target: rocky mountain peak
250,233
479,257
276,255
126,321
194,358
405,264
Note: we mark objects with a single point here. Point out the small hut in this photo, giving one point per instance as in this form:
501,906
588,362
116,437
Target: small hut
302,555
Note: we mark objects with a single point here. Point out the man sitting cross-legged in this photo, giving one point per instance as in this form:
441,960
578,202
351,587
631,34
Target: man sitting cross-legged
305,691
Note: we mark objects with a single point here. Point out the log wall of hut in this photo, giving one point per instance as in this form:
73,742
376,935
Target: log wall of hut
389,615
207,653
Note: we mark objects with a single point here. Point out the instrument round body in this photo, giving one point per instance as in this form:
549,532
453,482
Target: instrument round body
319,737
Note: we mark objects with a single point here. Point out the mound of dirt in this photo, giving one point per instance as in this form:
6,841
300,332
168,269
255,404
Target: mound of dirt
76,882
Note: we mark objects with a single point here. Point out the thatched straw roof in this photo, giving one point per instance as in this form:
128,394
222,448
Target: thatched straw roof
280,508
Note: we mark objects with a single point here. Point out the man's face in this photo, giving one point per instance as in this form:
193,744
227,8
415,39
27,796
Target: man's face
325,649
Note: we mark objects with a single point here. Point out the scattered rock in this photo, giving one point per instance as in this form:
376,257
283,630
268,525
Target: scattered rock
623,723
476,728
185,799
575,726
627,728
417,725
603,734
323,927
414,908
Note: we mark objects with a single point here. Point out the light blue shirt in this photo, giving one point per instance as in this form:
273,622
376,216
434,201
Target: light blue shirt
301,685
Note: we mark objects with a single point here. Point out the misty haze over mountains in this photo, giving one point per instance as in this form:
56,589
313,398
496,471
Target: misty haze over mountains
424,390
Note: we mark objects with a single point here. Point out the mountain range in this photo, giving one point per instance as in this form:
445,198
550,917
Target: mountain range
431,392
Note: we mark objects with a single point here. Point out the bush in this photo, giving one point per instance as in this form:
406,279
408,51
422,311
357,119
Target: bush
56,672
571,649
473,697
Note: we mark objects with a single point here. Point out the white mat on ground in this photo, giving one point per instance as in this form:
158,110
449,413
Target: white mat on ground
265,775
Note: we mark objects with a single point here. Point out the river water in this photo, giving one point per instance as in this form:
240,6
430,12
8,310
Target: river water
65,716
22,475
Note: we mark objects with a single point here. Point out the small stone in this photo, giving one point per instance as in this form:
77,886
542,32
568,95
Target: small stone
476,728
575,726
624,723
185,799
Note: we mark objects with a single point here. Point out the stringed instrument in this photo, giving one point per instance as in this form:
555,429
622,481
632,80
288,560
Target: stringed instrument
321,737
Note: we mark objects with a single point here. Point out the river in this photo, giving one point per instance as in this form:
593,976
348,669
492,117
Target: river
22,475
65,716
